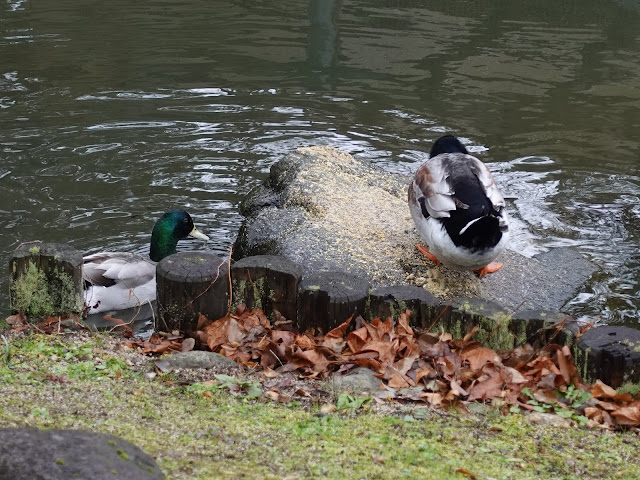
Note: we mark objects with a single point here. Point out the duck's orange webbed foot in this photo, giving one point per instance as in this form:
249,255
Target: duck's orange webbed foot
425,251
492,267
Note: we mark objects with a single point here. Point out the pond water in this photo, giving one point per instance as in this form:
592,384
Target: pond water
114,112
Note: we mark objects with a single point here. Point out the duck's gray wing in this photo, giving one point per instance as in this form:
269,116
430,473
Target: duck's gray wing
110,268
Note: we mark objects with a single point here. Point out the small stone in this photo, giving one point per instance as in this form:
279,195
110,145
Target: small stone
480,408
327,408
188,344
420,281
201,359
548,419
163,366
271,395
360,380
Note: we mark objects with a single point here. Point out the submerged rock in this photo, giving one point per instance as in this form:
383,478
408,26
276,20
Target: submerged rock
328,211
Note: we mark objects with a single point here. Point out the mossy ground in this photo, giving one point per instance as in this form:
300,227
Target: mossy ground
205,433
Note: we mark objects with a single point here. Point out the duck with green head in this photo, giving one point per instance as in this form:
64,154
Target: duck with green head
121,280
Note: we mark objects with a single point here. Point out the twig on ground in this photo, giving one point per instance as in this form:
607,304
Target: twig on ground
440,315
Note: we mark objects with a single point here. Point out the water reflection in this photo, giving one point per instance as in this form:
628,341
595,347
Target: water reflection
323,42
111,114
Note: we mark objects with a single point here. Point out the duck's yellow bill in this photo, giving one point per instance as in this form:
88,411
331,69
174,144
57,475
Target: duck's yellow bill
195,233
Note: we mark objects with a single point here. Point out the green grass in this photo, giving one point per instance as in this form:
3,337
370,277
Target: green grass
199,432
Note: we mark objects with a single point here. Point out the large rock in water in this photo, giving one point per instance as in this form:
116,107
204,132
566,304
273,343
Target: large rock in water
327,211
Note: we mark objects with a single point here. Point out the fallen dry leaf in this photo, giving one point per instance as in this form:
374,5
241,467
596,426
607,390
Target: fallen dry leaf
490,387
629,416
467,473
334,340
16,320
269,373
434,399
600,390
477,355
357,339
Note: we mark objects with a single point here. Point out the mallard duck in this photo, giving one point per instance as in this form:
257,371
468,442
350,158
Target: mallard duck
458,210
119,280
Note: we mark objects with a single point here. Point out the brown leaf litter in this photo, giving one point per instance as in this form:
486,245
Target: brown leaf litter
434,369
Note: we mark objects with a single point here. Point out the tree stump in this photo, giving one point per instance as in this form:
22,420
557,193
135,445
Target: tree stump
327,299
268,282
496,329
190,284
46,279
538,326
611,354
392,301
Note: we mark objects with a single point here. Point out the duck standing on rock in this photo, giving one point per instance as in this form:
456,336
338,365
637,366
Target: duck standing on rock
120,280
458,210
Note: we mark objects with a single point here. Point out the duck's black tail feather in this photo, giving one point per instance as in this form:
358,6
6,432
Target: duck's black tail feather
480,233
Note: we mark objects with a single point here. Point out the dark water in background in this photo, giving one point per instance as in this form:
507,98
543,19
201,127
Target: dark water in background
113,112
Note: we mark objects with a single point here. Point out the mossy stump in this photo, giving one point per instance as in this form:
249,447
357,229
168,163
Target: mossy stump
611,354
392,301
327,299
268,282
190,284
46,279
543,327
495,327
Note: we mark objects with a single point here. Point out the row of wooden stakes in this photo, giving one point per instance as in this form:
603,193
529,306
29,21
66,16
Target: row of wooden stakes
193,283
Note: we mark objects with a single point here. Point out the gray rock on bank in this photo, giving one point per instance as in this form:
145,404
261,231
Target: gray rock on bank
31,454
201,359
361,381
327,211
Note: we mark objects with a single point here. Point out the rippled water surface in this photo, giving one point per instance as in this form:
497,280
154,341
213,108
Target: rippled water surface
113,112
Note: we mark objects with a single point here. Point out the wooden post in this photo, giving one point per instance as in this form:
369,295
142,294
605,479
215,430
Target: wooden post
46,279
268,282
392,301
190,284
327,299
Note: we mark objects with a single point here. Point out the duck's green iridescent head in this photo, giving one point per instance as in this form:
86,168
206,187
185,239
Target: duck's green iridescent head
168,230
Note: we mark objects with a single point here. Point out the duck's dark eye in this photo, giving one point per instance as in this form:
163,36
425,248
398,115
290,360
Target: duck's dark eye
185,220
